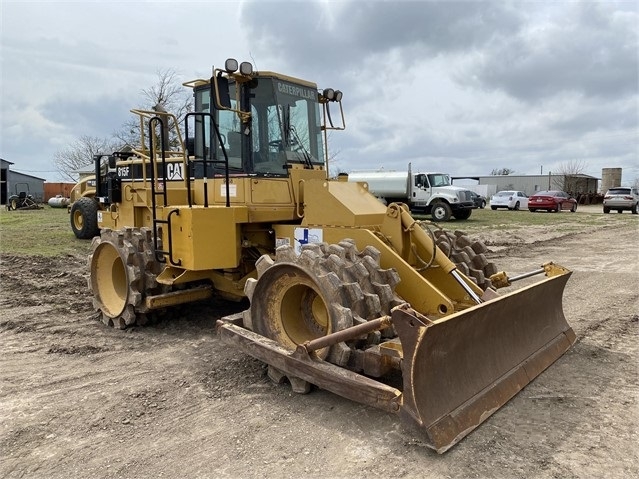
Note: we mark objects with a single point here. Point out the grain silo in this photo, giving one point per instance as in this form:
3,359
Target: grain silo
610,177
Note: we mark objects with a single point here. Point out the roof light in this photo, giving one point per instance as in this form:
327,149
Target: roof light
329,94
230,65
246,68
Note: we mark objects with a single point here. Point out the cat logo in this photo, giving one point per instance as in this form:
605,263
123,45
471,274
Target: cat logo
174,171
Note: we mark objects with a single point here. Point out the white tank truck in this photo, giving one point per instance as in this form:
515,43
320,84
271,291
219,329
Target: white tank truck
430,193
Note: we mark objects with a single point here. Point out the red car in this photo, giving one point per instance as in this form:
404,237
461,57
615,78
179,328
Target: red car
552,201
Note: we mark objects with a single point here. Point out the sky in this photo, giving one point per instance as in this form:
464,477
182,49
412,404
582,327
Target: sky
460,87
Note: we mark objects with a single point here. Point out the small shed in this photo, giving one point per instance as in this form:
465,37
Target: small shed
13,182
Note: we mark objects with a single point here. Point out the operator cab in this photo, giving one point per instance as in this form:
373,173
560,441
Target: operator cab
267,122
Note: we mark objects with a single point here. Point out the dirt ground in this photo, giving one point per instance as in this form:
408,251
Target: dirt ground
79,400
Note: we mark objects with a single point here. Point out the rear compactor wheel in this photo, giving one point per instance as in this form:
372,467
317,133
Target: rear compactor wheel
468,255
123,270
323,290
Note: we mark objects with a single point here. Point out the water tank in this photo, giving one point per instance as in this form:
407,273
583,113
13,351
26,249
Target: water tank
610,177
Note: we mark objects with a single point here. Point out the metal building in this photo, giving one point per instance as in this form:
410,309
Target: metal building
13,182
529,184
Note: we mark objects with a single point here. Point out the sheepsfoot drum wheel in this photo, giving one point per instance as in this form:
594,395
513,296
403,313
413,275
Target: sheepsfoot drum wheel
323,290
123,270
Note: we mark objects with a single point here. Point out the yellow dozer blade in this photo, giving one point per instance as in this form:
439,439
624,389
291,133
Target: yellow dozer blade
460,369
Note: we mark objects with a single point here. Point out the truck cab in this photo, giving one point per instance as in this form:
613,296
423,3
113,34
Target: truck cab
434,194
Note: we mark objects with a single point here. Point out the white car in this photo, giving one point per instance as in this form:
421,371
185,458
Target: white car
513,200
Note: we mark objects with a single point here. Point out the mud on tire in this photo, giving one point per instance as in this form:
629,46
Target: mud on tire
324,289
123,271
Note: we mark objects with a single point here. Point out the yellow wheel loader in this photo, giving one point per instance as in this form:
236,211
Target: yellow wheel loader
345,293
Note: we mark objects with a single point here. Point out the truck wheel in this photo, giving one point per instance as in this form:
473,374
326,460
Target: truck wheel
441,211
84,218
463,214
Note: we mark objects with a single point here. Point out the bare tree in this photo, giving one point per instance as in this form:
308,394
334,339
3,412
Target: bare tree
502,171
567,176
168,95
79,155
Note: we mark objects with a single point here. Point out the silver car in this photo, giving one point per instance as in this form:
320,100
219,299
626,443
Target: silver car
621,198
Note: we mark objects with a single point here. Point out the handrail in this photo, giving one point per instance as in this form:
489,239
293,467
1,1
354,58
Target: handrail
148,114
152,121
206,161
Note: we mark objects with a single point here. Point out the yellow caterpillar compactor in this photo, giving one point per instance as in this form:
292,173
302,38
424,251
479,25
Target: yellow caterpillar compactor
346,294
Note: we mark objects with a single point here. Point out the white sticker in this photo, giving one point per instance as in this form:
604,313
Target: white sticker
99,216
174,171
232,190
282,242
305,236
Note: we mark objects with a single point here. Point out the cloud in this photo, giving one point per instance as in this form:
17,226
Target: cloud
339,34
458,86
469,86
583,47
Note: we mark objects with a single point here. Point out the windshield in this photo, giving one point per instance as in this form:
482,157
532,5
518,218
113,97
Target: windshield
299,120
439,180
618,191
284,127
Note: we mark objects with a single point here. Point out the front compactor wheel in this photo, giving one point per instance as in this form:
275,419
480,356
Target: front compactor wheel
323,290
123,270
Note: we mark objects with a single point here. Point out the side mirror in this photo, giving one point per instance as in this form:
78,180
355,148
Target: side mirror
222,95
112,162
